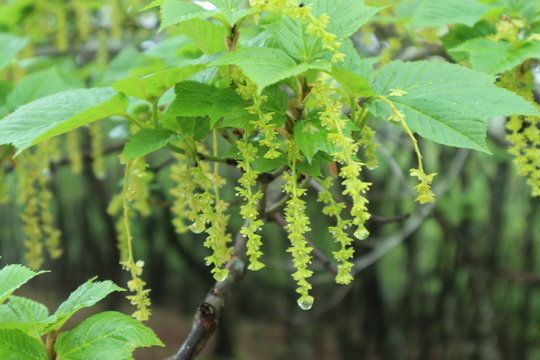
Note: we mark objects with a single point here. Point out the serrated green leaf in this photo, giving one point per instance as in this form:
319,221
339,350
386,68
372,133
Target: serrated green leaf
59,113
267,66
16,345
197,126
353,62
22,310
495,57
13,277
11,45
346,16
192,99
153,86
353,84
146,141
86,295
446,103
23,314
276,103
231,107
292,37
108,335
311,137
153,4
442,12
208,37
460,33
35,86
228,10
312,169
176,11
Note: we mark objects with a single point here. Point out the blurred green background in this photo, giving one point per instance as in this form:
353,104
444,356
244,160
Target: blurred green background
455,281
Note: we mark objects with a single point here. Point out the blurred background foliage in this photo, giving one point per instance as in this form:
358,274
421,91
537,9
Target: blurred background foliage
455,281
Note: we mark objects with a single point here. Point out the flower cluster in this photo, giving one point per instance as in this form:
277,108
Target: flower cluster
136,285
346,252
298,225
249,209
98,159
36,198
524,134
332,118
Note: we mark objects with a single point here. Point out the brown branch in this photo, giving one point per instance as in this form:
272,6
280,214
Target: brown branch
209,311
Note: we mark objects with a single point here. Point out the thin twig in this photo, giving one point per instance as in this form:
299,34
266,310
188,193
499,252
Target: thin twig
414,222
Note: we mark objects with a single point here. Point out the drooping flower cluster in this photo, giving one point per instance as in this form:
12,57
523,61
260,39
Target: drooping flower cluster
249,209
333,119
298,225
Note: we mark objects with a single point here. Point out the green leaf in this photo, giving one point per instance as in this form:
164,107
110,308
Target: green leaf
346,16
146,141
192,99
13,277
276,102
35,86
16,345
208,37
197,126
24,314
108,335
355,85
311,137
495,57
446,103
22,310
228,9
230,106
86,295
312,169
11,46
175,11
153,4
292,37
59,113
267,66
443,12
153,86
460,33
353,62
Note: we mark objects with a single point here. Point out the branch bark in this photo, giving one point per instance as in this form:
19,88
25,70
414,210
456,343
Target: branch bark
210,310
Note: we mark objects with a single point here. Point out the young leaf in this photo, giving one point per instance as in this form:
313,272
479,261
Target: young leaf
228,9
442,12
44,118
107,335
346,16
153,86
175,11
16,345
86,295
267,66
13,277
495,57
11,45
208,37
146,141
446,103
293,38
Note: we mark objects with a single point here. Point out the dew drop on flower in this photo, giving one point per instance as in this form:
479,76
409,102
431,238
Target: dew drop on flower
305,303
372,166
196,227
361,233
220,276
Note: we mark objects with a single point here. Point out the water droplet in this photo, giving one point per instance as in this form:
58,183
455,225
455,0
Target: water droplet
305,302
197,227
220,276
372,166
361,233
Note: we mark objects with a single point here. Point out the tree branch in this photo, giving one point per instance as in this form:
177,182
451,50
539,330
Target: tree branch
209,311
